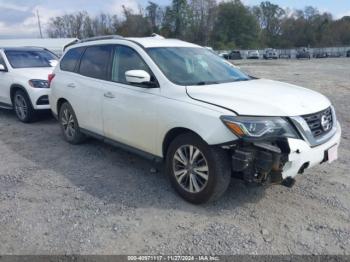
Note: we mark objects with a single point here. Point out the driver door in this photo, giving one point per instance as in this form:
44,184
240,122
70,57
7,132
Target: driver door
130,111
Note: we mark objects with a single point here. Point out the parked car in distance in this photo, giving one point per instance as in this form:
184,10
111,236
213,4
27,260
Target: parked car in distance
270,53
209,48
335,54
235,55
179,103
23,80
285,54
348,53
303,52
224,55
320,54
253,54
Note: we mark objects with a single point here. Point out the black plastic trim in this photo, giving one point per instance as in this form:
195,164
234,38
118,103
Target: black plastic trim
125,147
5,105
43,100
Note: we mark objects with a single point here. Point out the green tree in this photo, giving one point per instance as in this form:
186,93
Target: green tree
270,19
235,25
136,25
153,13
201,21
304,28
175,20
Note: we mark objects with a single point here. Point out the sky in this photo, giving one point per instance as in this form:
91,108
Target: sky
18,17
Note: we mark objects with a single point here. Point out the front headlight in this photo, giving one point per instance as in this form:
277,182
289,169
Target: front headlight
259,127
38,83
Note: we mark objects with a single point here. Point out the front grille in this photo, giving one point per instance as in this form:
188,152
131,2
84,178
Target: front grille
320,123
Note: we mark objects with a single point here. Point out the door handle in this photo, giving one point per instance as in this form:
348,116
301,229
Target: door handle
71,85
109,95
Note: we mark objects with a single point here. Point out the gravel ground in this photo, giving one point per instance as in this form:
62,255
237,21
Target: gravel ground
95,199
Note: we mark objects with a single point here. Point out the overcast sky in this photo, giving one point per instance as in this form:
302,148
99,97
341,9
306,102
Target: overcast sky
17,17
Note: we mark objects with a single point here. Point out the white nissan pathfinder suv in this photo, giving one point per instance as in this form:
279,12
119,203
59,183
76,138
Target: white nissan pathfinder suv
176,101
23,80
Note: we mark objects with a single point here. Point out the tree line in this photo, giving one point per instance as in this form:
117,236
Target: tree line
223,25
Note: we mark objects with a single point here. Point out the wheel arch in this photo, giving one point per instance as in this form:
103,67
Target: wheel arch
172,134
60,102
14,88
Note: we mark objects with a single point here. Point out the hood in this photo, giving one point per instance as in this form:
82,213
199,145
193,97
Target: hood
261,97
35,73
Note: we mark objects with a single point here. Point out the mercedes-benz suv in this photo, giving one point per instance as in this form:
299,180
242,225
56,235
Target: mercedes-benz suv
23,80
179,103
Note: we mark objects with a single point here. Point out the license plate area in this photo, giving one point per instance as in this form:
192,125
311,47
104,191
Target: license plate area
331,154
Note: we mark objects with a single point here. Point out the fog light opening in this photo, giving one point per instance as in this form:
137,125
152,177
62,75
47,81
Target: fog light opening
303,167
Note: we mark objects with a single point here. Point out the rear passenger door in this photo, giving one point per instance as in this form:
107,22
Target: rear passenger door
129,111
87,87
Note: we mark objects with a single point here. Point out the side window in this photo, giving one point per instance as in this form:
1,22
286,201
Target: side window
71,59
125,59
95,62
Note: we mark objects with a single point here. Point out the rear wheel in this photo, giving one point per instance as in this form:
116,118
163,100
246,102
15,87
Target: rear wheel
69,125
198,172
23,107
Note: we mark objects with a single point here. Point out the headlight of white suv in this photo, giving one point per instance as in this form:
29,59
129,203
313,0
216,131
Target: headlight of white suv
259,127
38,83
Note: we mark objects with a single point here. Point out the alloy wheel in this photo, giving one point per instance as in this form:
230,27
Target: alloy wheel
68,123
190,168
21,106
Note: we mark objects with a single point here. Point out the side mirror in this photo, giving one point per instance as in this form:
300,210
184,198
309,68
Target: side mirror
2,68
140,77
137,77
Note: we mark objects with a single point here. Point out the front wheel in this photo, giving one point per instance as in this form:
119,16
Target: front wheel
23,107
198,172
69,125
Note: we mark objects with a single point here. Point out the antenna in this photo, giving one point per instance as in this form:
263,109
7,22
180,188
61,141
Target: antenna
39,24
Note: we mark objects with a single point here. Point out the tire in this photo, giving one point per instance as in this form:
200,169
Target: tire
69,125
23,107
187,182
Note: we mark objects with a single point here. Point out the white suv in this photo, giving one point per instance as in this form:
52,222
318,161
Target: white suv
23,80
179,102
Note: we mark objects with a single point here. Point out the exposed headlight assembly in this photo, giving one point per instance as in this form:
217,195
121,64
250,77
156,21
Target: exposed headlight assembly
38,83
259,127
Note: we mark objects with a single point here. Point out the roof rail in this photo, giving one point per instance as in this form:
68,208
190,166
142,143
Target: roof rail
95,38
157,36
104,37
70,44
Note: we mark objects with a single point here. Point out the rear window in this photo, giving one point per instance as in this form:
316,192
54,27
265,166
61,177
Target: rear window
71,59
95,61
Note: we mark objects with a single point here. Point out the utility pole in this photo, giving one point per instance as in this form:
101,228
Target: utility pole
39,24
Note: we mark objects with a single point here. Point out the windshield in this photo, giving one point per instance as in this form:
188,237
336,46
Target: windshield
31,58
194,66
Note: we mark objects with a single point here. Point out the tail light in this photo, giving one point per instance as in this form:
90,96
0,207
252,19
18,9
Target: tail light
50,78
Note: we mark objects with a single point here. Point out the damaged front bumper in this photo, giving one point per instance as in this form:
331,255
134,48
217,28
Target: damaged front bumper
303,156
281,160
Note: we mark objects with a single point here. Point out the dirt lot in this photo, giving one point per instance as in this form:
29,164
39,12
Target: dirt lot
95,199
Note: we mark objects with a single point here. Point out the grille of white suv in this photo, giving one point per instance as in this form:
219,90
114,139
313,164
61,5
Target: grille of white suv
320,123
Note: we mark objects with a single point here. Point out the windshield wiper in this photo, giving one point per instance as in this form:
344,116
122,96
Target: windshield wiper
203,83
242,79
